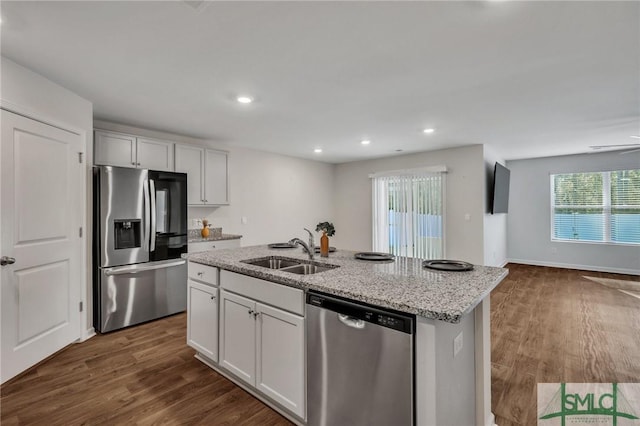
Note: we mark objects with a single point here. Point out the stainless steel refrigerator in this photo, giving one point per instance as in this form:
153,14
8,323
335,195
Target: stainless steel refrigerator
139,235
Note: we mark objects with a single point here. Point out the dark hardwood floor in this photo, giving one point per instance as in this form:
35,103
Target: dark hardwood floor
142,375
551,325
548,325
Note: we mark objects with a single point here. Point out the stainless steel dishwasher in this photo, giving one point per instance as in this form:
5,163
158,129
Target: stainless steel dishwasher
359,364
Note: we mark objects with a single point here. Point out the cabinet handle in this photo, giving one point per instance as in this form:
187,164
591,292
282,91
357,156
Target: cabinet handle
255,315
133,163
213,297
138,164
200,274
250,311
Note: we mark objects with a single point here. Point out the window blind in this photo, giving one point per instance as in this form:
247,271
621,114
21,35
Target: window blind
408,214
598,206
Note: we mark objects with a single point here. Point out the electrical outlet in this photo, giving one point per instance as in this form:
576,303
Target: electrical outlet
457,344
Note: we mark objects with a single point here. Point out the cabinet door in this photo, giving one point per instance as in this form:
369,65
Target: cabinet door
155,155
280,370
202,319
216,183
114,149
237,336
190,160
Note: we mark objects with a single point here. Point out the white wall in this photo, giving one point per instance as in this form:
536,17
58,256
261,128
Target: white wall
278,195
464,195
495,226
27,93
529,218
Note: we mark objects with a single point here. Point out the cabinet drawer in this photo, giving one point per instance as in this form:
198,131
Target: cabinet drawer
203,273
278,295
212,245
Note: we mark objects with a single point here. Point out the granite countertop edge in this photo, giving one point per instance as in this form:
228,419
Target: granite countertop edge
217,238
446,296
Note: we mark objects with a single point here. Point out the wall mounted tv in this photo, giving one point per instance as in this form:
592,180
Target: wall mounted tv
500,201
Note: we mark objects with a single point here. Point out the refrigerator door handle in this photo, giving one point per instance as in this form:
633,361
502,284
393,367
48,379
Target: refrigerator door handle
152,227
147,227
134,269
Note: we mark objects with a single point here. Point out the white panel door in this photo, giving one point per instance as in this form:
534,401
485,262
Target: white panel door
114,149
216,188
190,160
42,208
280,371
155,155
237,336
202,319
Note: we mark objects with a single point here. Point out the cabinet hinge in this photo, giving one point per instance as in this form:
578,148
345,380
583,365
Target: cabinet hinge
81,306
80,232
80,157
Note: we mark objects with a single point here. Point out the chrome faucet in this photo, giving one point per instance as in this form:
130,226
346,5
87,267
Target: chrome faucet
305,246
312,246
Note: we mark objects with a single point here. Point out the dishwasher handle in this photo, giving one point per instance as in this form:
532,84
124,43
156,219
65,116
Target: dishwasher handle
351,321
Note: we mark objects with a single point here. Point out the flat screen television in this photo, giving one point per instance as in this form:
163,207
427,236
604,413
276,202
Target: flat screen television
500,201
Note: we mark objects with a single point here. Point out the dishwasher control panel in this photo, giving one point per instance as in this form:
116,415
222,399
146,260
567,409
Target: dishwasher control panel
383,318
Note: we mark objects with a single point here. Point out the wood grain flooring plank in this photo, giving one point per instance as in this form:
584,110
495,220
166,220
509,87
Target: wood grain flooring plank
573,330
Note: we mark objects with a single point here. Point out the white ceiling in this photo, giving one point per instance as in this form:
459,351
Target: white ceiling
529,78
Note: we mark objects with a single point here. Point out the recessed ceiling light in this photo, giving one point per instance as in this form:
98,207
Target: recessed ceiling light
429,130
317,150
365,142
244,99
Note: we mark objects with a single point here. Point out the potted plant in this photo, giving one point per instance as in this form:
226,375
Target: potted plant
328,230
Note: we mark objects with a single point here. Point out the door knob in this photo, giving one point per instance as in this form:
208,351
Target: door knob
6,260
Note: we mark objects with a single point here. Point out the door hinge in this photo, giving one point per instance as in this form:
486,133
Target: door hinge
80,157
81,306
80,232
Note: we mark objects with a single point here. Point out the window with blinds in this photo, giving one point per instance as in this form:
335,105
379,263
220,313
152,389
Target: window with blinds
596,207
408,214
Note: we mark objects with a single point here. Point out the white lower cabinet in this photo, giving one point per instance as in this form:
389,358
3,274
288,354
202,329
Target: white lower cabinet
264,346
280,357
202,319
237,336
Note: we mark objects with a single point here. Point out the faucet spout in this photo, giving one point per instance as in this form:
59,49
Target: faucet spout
305,246
312,246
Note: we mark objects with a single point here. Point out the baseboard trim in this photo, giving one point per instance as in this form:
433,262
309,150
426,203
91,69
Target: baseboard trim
578,267
87,334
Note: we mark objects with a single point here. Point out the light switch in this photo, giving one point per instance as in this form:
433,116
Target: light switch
243,220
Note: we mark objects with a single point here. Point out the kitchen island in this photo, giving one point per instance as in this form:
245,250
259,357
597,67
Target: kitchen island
451,309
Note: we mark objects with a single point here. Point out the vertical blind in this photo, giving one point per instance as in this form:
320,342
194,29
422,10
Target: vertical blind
597,206
408,214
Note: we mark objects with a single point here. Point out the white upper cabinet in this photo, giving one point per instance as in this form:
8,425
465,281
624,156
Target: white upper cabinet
118,149
190,160
114,149
155,155
208,177
216,187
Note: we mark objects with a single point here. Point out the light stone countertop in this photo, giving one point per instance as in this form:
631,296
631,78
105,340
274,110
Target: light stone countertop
199,239
403,285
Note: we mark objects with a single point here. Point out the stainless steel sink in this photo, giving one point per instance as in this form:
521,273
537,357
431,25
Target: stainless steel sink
307,269
293,266
273,262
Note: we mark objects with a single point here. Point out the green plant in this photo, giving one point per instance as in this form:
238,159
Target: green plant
326,227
